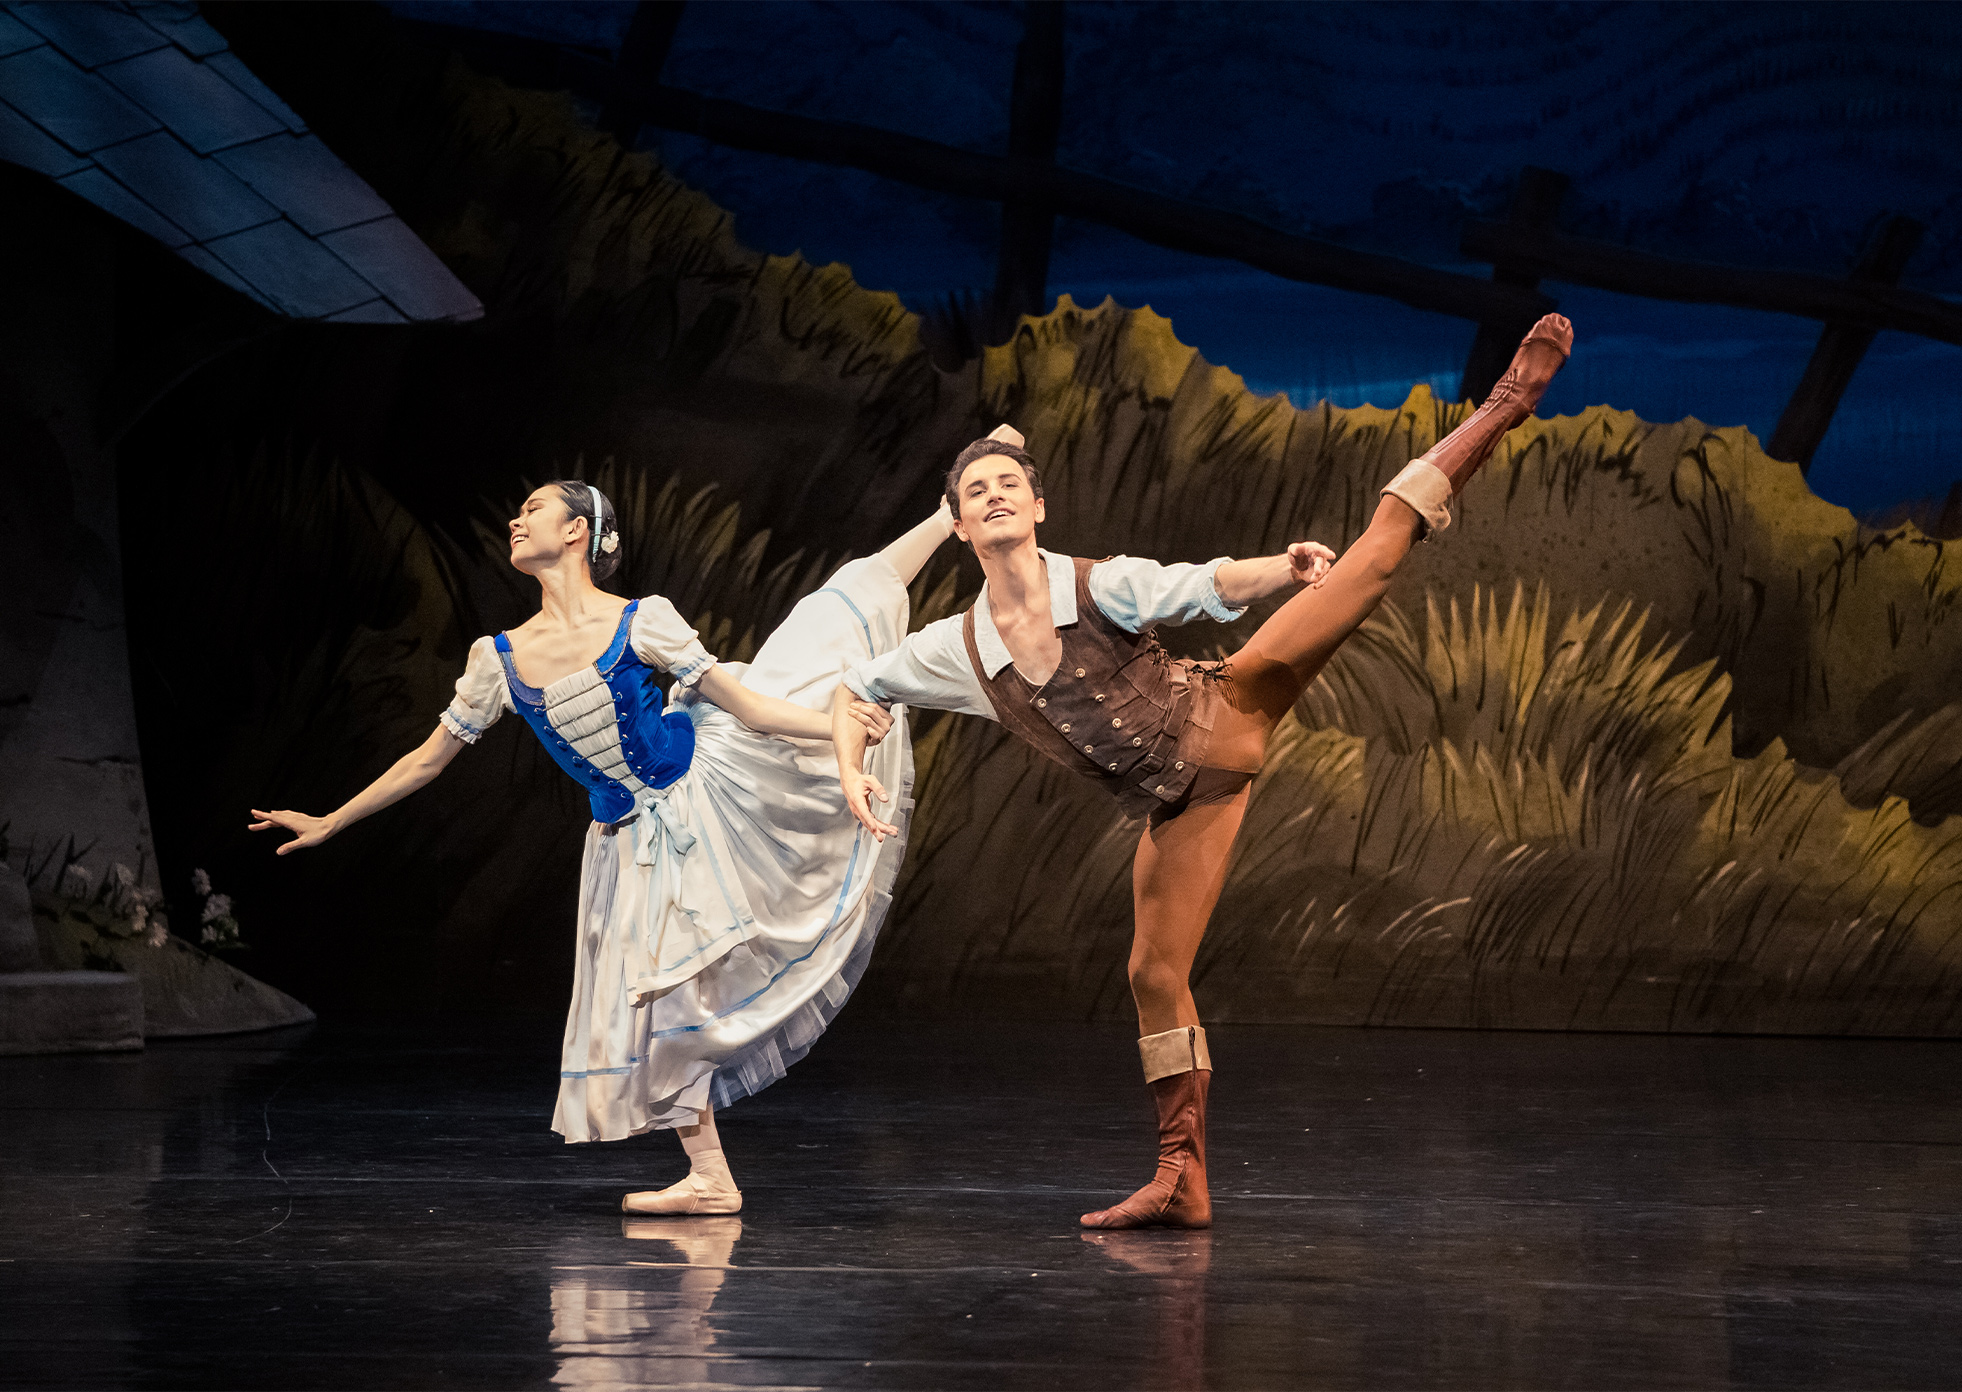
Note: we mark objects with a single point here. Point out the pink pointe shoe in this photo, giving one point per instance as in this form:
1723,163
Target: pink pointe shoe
709,1188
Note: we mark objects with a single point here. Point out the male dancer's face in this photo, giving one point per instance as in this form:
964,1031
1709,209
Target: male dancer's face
999,511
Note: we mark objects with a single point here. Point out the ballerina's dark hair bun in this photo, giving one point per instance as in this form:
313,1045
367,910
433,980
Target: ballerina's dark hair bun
603,552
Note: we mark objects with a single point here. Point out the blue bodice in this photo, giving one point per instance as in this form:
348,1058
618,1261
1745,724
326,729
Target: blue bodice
638,747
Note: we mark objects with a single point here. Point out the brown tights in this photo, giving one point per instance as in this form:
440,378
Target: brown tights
1181,863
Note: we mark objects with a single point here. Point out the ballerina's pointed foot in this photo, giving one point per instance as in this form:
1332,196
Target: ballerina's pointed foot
691,1195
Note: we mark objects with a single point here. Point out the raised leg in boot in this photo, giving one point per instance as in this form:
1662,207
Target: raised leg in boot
1543,352
1288,652
708,1187
1176,879
1430,481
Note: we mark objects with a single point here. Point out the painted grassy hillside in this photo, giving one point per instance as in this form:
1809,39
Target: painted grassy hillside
1590,767
1640,743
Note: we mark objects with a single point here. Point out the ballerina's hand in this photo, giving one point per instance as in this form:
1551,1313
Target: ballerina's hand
307,831
1308,563
860,788
876,719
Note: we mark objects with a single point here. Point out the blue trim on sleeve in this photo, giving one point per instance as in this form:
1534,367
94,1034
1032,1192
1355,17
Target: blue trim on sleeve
694,671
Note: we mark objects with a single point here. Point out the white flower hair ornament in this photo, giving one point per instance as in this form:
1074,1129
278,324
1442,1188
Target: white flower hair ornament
607,541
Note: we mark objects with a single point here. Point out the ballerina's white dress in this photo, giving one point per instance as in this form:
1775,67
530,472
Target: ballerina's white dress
728,900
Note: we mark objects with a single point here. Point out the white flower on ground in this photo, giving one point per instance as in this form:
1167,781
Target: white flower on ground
200,882
159,932
216,906
124,876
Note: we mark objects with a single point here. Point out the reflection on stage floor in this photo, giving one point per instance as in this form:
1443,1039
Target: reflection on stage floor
382,1206
610,1332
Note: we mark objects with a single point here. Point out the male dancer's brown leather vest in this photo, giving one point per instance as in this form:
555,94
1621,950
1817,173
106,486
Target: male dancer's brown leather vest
1120,709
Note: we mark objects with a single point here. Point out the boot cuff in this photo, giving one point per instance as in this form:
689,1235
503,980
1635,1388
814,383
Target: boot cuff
1424,486
1174,1051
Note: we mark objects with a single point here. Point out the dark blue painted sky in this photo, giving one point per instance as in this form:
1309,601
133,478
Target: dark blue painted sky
1770,135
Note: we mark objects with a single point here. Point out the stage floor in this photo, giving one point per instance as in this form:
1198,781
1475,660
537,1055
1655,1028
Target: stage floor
381,1207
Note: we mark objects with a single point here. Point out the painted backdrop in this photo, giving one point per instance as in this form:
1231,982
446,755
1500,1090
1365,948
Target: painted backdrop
1653,739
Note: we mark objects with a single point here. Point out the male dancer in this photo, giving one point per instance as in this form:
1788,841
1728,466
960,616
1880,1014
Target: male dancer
1060,651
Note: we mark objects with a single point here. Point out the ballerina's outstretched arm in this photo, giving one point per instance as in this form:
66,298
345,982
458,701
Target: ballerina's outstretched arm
771,715
413,770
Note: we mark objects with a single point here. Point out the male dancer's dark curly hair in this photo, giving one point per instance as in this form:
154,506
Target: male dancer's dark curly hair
981,449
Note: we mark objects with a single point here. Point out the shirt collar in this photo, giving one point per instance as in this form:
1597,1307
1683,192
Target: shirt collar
1062,611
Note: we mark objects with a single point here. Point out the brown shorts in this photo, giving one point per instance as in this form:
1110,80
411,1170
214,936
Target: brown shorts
1208,785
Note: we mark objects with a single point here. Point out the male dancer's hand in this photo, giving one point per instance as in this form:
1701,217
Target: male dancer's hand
860,788
876,719
1309,562
848,737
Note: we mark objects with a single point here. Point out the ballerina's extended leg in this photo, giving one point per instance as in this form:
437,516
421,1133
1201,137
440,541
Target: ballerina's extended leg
907,553
708,1188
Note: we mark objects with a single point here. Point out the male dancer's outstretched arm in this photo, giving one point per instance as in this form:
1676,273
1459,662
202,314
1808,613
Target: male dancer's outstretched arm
922,678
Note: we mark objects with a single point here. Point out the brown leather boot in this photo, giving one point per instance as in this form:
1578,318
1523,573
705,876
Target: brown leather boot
1177,1196
1543,352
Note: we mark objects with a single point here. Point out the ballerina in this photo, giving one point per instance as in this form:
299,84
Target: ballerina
1060,651
728,901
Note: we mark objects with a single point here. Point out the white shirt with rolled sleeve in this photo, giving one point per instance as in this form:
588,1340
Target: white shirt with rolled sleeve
930,669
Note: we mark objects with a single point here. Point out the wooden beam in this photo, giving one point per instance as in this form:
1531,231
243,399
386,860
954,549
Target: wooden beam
1948,526
1606,266
1535,203
1809,414
1035,120
1167,222
1185,226
643,53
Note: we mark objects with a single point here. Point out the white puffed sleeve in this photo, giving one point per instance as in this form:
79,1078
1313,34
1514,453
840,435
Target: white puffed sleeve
1135,593
482,694
929,670
662,638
